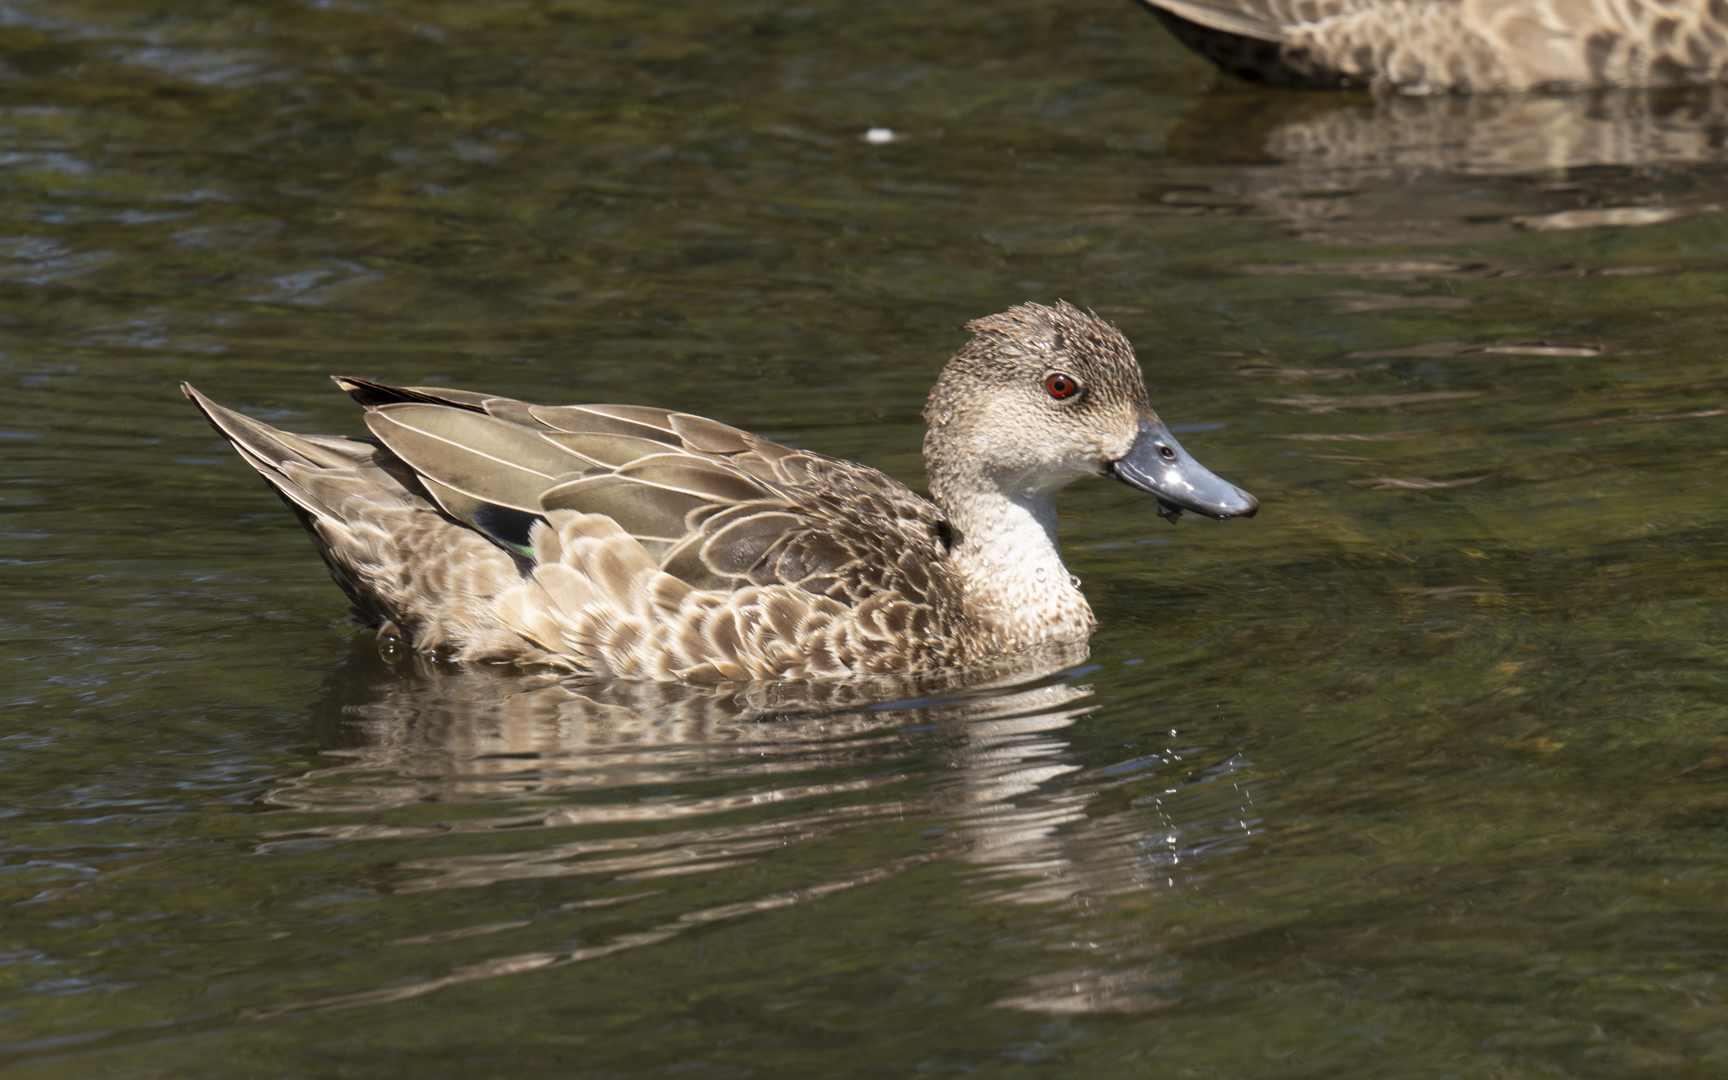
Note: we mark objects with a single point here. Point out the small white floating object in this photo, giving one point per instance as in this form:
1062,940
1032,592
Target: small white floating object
1609,217
880,136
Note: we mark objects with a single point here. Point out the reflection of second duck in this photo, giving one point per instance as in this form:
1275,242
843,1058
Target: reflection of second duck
1398,137
646,544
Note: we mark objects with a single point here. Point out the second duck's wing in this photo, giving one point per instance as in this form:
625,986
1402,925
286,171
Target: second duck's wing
1263,20
714,506
1250,38
1428,46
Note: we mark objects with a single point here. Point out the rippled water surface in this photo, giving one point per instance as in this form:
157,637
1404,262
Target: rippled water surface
1422,772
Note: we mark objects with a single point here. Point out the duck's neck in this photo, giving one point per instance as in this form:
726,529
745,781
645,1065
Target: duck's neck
1017,589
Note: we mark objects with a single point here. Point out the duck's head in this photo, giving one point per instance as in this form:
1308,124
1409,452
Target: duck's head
1042,396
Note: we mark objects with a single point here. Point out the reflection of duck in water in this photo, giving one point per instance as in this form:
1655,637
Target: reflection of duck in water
1480,134
1394,169
415,730
449,732
1433,46
641,811
646,544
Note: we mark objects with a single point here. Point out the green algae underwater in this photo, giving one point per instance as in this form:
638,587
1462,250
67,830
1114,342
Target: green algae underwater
1423,772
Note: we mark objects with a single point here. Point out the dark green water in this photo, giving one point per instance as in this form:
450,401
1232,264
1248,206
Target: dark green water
1421,773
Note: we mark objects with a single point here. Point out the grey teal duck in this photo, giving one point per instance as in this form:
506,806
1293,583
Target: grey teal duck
1439,46
641,543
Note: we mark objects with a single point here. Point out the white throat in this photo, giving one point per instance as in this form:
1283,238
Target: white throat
1016,585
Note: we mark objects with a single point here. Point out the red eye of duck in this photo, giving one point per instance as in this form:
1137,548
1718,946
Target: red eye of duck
1061,386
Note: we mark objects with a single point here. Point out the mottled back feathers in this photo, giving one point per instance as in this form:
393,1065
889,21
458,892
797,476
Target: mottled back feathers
602,510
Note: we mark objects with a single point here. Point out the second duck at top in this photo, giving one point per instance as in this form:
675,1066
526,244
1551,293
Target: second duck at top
639,543
1457,46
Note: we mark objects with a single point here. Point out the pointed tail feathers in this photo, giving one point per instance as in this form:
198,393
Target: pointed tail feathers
299,467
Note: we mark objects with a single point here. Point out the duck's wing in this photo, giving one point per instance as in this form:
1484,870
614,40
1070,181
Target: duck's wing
1267,20
1247,38
1314,44
712,505
1262,20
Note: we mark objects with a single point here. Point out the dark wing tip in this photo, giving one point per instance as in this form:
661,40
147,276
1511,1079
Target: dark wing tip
371,394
